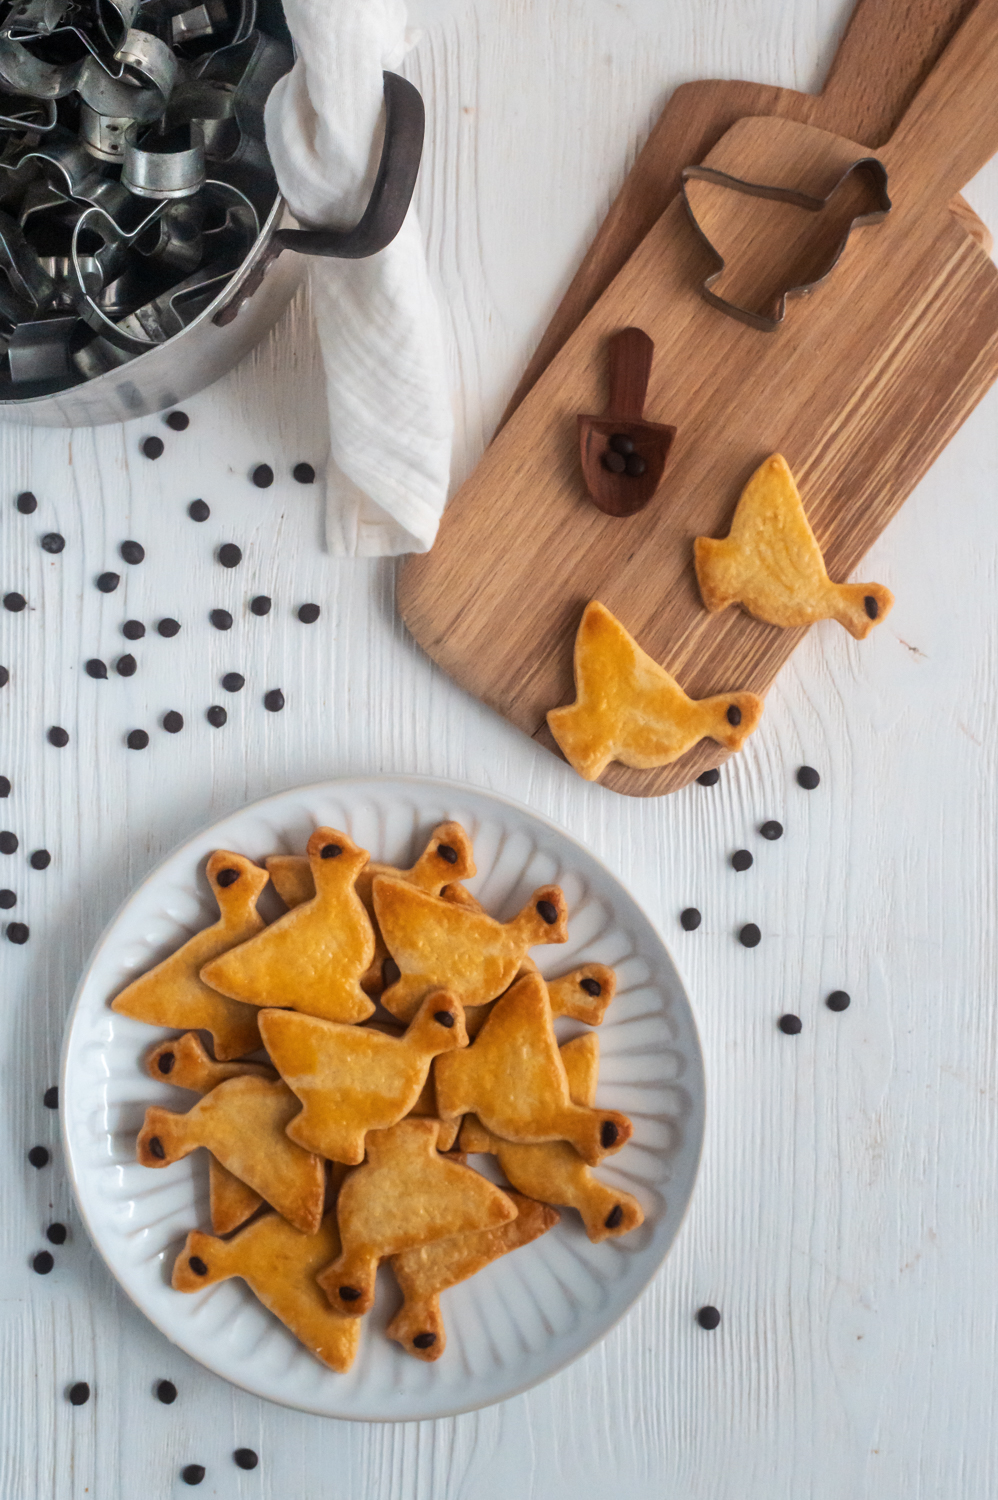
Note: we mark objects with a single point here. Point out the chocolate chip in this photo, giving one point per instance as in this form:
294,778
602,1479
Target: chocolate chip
166,1391
608,1134
309,613
58,737
447,852
53,542
349,1294
262,476
548,912
8,842
390,972
621,443
615,462
56,1234
424,1340
198,1266
173,722
741,860
168,627
690,919
126,665
26,503
156,1147
4,677
245,1458
177,421
4,786
273,701
789,1025
772,830
7,900
233,682
330,851
17,932
227,877
43,1263
260,605
839,1000
229,555
303,473
192,1473
444,1017
708,1317
14,602
614,1217
96,668
165,1062
79,1394
198,510
871,606
750,936
133,630
137,739
591,986
216,715
50,1098
734,715
39,1156
709,778
40,859
221,619
132,552
635,465
152,447
808,778
108,582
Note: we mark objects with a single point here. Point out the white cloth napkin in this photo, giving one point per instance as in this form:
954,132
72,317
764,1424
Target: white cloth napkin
390,416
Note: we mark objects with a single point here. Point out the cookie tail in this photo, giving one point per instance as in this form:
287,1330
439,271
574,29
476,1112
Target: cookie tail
581,738
717,572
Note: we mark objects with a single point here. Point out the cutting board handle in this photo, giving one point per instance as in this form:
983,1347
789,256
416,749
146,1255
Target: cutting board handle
630,355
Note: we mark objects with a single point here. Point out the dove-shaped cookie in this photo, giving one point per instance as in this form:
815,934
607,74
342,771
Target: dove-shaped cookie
173,994
628,708
405,1195
771,564
439,944
352,1079
313,957
278,1264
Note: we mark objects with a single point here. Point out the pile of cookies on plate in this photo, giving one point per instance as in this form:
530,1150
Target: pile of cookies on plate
348,1145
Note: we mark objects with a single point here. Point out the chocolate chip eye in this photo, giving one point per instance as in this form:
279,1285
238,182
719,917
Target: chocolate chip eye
614,1217
166,1062
444,1017
156,1147
734,715
349,1294
198,1266
608,1134
548,912
424,1340
449,853
390,972
591,986
330,851
227,877
871,606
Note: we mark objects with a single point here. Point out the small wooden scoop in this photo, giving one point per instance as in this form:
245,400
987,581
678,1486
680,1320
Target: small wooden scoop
623,456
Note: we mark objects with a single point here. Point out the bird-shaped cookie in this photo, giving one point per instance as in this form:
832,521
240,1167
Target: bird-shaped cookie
313,957
243,1122
405,1195
771,564
424,1273
186,1064
628,708
513,1077
172,994
554,1172
352,1079
278,1264
439,944
446,859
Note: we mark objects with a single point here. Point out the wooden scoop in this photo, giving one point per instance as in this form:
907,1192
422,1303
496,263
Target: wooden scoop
623,456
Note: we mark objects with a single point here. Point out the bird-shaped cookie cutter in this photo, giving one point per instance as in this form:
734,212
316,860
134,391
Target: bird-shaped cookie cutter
871,166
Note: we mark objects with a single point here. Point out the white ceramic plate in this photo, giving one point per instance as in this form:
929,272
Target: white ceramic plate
527,1314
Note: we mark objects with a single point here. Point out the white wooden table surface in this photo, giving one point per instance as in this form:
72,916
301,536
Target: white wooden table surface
844,1221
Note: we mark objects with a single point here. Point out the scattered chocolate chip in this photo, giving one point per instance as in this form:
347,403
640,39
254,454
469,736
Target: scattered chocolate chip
447,852
273,701
608,1134
734,715
690,919
750,936
634,465
56,1234
221,619
137,739
108,582
53,542
193,1473
166,1391
424,1340
621,443
17,932
349,1294
96,668
330,851
245,1458
789,1025
390,972
43,1263
303,473
615,462
132,552
4,676
229,555
808,778
39,1156
614,1217
126,665
173,722
548,912
4,786
260,605
79,1394
156,1147
772,830
233,682
839,1000
198,1266
198,510
177,421
165,1062
133,630
152,447
58,737
709,778
7,900
871,606
50,1098
26,503
309,613
708,1317
8,842
741,860
168,627
40,859
591,986
444,1017
227,877
262,476
14,602
216,715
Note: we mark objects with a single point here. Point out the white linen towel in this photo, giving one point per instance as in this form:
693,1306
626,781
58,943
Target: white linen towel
379,331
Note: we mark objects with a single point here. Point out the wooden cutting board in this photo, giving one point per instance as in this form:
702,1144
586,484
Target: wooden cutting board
860,390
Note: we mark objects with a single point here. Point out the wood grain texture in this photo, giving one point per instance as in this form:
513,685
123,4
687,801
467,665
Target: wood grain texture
843,1222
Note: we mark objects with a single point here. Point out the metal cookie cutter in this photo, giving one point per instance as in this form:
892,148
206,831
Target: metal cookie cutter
164,166
22,73
870,166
